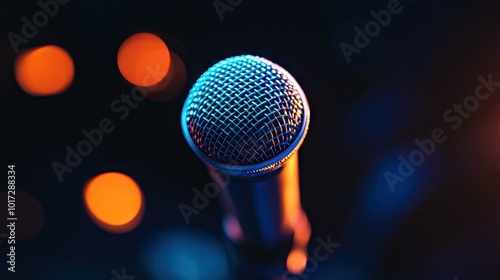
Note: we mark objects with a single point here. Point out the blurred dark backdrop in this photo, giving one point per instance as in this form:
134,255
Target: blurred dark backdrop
441,222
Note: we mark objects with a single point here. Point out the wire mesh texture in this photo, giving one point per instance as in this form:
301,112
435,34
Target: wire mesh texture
245,110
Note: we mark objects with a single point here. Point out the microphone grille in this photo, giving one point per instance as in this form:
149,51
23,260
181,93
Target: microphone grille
245,111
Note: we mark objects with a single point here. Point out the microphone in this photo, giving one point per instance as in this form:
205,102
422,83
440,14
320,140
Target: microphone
245,118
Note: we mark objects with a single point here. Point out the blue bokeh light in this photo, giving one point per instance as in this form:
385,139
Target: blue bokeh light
378,117
185,255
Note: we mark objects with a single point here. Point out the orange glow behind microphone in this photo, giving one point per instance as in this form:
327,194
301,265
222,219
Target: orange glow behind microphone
44,71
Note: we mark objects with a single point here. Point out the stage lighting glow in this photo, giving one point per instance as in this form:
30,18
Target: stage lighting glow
232,228
297,258
302,231
114,201
172,84
384,198
44,71
291,205
143,59
378,117
296,261
182,254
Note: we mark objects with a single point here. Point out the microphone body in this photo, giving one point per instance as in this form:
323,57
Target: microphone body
245,118
265,208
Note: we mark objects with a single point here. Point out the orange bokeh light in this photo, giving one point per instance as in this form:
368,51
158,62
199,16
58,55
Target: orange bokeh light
297,258
296,261
114,201
143,59
172,84
44,71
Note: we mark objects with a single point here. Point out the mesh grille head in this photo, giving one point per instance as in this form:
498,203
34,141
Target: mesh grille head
245,115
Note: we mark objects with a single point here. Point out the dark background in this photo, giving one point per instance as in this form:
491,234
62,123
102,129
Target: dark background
442,222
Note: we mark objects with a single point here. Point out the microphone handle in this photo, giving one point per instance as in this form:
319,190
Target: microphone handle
266,208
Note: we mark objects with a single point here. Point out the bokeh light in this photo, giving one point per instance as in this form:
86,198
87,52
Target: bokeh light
377,117
28,211
232,228
44,71
114,201
296,261
297,258
143,59
182,254
172,84
380,207
384,199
